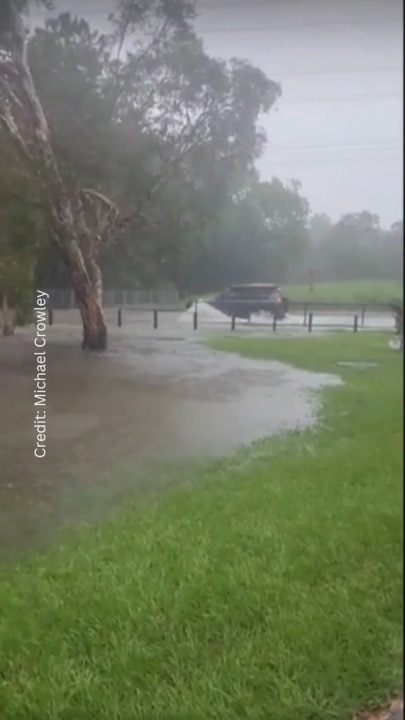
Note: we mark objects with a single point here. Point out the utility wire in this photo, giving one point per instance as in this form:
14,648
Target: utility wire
326,100
297,162
340,147
341,71
307,73
300,26
255,29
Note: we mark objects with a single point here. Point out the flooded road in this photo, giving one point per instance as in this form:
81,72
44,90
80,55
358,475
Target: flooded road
296,322
113,418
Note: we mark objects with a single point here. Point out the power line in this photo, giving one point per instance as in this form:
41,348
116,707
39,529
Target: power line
340,147
234,5
245,30
334,161
310,73
341,71
300,26
355,98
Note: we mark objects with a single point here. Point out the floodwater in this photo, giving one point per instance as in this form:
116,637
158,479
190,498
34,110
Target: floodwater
294,322
153,398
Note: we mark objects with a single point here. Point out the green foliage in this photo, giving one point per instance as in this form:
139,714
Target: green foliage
355,248
260,232
268,235
9,9
21,230
167,130
172,136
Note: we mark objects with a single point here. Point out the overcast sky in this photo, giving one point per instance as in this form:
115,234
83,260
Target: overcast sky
339,125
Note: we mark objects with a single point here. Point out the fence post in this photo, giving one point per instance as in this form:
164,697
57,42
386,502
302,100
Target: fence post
274,323
310,321
305,314
356,323
119,317
155,319
233,322
363,314
50,315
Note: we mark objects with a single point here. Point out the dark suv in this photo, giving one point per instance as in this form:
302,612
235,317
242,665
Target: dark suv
243,301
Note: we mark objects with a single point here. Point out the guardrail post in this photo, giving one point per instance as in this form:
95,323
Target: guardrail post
233,322
155,319
356,323
274,323
310,321
50,316
119,317
195,317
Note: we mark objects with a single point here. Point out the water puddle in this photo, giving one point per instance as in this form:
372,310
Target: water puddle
360,365
111,416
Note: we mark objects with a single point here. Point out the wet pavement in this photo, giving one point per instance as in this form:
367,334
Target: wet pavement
152,398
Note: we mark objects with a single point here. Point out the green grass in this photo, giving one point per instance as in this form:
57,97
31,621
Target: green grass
360,291
266,587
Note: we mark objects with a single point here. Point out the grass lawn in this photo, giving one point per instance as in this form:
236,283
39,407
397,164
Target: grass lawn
361,291
268,586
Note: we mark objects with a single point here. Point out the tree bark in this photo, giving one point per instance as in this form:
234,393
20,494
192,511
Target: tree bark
8,325
86,281
89,299
94,329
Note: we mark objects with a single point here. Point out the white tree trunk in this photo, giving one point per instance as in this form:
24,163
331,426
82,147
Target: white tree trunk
34,144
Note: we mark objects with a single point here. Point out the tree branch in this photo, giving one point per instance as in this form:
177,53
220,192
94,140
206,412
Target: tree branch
8,122
96,218
135,59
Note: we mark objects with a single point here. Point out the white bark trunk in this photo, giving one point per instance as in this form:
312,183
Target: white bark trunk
86,281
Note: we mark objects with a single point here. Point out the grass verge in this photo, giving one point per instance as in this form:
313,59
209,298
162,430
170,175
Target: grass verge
268,586
359,291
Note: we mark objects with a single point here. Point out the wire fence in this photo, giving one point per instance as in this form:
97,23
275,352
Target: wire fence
65,299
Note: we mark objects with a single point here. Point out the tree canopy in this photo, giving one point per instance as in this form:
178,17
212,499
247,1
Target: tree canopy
145,160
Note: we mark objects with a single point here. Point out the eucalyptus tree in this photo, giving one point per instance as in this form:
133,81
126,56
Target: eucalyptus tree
116,135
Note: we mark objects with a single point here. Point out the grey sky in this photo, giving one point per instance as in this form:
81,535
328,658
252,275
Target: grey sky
339,125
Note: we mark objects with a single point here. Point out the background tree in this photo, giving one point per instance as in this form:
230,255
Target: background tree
22,116
262,234
21,225
175,113
356,248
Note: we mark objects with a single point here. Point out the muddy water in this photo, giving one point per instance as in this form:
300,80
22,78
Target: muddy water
150,399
